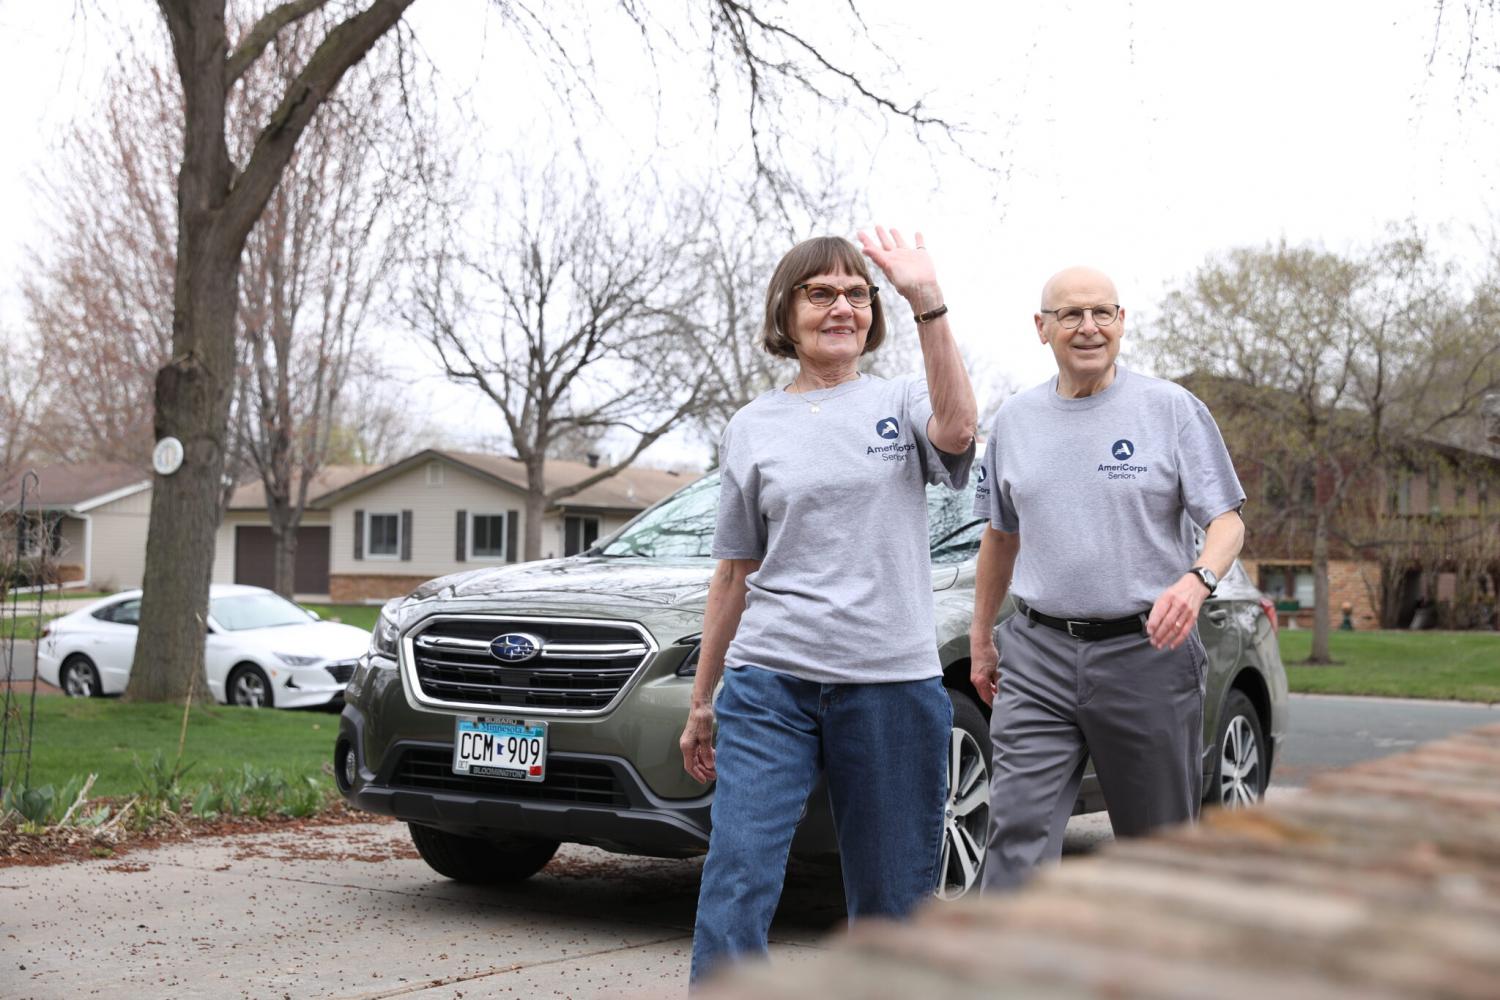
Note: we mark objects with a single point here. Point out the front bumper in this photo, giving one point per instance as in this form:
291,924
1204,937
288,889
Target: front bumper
590,799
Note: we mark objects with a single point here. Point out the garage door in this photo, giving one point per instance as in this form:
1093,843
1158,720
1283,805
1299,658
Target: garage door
253,553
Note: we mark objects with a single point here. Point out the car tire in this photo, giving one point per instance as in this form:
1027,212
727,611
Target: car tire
479,860
79,679
249,687
966,812
1240,761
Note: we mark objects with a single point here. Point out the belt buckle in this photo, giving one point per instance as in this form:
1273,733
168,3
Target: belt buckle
1073,634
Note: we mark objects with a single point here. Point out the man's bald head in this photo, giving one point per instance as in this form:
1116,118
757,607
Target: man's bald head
1073,280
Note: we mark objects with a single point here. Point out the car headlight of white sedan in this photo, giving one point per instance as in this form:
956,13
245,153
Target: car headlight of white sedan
298,659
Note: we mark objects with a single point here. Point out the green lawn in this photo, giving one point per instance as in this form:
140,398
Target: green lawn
363,615
77,736
1449,665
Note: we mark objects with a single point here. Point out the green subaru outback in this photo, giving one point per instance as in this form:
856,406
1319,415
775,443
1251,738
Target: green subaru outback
502,712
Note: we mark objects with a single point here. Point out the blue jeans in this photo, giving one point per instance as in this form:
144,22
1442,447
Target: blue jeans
884,749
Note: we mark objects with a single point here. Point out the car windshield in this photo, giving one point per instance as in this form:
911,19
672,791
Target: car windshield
682,526
244,611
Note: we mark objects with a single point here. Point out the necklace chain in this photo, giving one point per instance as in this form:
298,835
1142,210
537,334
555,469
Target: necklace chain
815,405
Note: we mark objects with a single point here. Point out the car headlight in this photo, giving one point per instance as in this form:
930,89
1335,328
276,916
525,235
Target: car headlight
298,660
383,639
689,666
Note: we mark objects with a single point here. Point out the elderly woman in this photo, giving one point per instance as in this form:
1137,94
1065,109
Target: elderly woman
821,604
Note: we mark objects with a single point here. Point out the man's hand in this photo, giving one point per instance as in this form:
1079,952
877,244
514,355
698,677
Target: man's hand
1176,612
984,672
697,744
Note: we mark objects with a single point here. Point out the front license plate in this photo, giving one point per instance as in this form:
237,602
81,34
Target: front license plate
500,748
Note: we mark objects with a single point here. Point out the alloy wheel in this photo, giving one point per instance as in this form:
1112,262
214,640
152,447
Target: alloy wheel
249,690
80,681
966,816
1239,765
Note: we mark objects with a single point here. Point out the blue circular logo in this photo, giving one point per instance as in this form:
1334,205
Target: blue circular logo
889,428
1122,449
515,647
982,473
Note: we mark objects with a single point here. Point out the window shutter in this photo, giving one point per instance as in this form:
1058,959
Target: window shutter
406,536
359,534
460,549
512,519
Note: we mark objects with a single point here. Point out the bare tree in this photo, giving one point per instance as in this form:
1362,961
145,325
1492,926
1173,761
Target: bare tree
20,391
220,197
569,321
1327,369
310,272
99,288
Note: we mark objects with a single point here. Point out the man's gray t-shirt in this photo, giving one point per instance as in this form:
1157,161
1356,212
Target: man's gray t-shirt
834,505
1105,491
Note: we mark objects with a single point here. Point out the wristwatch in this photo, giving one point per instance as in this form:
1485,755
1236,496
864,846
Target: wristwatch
1210,580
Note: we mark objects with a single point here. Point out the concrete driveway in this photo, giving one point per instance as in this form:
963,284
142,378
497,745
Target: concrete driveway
350,911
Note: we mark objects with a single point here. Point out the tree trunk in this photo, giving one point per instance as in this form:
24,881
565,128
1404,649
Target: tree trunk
284,525
193,389
1321,627
536,505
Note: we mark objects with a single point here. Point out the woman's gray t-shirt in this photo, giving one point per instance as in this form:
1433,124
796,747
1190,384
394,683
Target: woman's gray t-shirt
834,505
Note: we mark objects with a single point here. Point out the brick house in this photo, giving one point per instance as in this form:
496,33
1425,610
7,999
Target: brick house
1415,540
373,534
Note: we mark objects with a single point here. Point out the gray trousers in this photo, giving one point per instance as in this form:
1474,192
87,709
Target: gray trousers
1137,711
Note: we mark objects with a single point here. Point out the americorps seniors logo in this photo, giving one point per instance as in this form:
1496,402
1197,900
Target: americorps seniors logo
515,647
1122,451
889,428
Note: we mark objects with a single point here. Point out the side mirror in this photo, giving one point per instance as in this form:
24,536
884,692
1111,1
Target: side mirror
313,614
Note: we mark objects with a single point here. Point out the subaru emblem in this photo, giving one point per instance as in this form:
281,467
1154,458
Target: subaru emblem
515,647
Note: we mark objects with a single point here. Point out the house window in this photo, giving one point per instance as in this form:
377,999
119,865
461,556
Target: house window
579,533
1288,583
383,536
487,536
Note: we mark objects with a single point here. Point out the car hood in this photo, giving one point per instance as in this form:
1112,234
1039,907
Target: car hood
631,581
623,581
330,640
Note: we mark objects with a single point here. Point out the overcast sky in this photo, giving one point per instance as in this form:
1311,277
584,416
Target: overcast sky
1138,137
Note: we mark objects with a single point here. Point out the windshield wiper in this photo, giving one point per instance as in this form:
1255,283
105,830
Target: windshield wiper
956,531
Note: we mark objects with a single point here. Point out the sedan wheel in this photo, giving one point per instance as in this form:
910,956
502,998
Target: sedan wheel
966,815
80,679
1240,775
250,688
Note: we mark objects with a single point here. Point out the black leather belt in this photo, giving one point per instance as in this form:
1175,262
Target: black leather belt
1088,629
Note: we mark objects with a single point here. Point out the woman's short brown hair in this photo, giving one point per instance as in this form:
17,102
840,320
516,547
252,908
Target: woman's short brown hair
819,255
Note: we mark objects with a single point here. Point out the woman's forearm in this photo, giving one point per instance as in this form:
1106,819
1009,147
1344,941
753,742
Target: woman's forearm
955,414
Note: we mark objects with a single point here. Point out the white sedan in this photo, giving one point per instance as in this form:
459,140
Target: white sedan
262,649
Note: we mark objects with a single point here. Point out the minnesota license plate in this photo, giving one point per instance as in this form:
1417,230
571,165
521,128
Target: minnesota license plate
500,748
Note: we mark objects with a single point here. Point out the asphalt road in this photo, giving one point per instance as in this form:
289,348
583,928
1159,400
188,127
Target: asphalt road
1328,732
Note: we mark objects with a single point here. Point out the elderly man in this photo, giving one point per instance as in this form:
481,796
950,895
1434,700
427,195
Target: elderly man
1092,483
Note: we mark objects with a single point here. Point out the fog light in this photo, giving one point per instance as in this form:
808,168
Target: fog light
344,767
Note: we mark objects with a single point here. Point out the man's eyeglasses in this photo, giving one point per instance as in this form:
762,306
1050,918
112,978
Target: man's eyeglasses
1072,317
824,296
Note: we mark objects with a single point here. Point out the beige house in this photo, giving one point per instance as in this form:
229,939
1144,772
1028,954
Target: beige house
373,534
84,525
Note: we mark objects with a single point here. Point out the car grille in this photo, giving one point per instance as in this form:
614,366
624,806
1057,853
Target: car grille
582,667
341,671
584,781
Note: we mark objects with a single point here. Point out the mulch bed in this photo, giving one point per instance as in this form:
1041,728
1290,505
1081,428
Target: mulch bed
55,845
